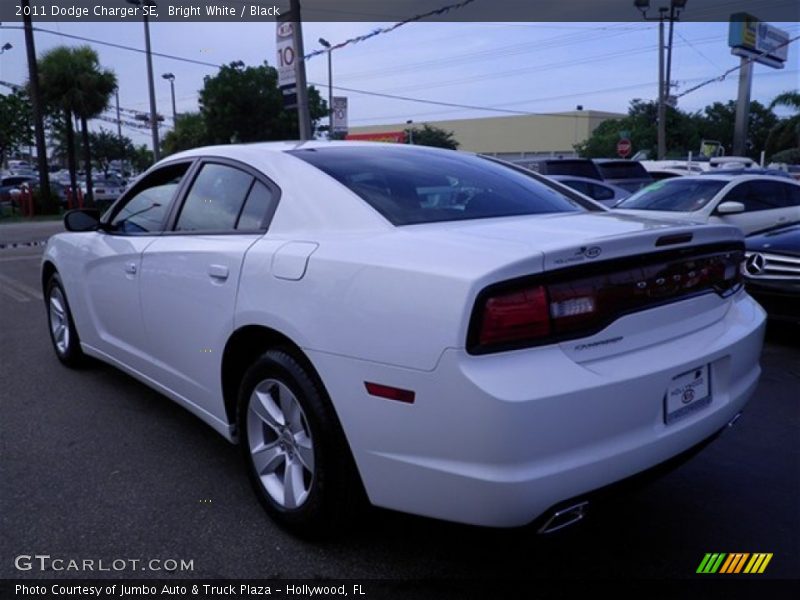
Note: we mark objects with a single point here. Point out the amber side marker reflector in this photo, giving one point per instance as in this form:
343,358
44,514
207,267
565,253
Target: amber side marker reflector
391,393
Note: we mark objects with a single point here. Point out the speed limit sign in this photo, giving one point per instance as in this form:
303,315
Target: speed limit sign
284,42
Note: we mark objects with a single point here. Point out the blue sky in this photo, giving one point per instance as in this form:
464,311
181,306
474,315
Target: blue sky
536,67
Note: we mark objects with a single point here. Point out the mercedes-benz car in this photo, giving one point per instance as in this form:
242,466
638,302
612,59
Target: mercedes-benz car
772,271
439,332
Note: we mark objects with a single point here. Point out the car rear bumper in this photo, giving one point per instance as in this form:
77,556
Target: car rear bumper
497,440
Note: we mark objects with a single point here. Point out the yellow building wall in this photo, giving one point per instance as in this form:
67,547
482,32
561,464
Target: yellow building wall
525,134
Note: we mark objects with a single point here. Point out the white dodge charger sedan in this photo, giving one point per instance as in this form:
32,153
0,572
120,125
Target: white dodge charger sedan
437,330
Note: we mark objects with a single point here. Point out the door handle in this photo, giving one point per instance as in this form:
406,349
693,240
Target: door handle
218,272
130,268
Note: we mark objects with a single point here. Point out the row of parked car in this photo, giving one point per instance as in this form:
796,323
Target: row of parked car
105,189
763,203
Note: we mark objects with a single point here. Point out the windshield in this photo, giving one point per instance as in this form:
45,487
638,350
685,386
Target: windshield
679,195
410,185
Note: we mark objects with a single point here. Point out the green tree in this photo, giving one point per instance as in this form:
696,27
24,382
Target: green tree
785,135
718,119
108,147
244,104
15,123
430,135
640,126
189,132
73,83
141,158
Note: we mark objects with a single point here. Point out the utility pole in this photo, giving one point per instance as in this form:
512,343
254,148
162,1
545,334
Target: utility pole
303,116
662,106
119,121
36,106
664,74
150,84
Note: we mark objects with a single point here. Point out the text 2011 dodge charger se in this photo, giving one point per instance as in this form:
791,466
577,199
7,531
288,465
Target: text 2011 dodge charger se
441,331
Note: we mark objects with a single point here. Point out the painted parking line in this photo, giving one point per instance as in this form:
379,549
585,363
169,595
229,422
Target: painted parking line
17,289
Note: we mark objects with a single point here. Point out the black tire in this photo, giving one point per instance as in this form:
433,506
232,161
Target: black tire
334,488
68,348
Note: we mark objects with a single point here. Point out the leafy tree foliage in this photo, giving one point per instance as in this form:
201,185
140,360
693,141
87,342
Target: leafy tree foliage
189,132
107,147
73,83
785,135
244,104
15,123
142,158
684,130
717,123
430,135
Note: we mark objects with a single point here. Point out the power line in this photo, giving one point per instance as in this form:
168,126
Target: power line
562,96
381,30
114,45
746,61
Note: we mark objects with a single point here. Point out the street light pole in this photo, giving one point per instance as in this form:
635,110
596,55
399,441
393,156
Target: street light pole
326,44
171,78
664,74
151,85
410,132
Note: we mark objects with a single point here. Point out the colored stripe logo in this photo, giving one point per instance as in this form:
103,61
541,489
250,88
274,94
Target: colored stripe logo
735,562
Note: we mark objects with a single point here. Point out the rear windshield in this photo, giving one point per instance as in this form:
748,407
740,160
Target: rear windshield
679,194
623,169
576,168
410,185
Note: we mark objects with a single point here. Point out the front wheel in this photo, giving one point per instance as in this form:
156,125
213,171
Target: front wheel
62,328
296,454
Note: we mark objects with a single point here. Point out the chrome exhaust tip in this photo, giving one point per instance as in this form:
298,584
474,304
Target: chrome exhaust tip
564,517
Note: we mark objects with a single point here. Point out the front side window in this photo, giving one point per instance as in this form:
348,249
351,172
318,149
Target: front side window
146,208
215,199
678,195
601,192
416,185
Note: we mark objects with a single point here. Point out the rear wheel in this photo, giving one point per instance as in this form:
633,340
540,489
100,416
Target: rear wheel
65,339
296,455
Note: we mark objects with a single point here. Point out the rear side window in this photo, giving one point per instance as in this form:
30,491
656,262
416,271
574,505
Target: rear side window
760,195
417,185
601,192
258,202
623,169
577,168
215,199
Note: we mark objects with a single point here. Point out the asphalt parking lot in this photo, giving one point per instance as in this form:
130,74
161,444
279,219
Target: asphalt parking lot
95,465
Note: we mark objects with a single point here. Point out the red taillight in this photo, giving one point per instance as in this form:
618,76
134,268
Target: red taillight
519,315
579,302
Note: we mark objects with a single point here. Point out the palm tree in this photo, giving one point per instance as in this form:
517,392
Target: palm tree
73,82
786,134
57,77
96,85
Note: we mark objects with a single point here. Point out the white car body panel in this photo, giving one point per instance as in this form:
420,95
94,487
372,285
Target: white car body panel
747,222
493,439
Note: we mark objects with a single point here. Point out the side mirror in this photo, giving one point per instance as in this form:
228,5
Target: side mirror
86,219
730,208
